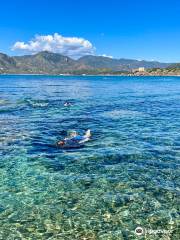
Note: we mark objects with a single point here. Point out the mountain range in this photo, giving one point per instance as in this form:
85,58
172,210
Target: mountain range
53,63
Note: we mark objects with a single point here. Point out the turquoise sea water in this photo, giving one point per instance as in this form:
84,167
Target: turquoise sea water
126,176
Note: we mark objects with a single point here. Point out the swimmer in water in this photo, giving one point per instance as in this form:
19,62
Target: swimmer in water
75,138
67,104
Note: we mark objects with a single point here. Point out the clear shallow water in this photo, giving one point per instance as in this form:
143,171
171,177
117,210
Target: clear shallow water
127,176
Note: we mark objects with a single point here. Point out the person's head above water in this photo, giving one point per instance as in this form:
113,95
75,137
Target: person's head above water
61,143
67,104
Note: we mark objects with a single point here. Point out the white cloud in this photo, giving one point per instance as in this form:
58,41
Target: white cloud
105,55
70,46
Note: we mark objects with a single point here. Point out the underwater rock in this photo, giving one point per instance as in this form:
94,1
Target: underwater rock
2,208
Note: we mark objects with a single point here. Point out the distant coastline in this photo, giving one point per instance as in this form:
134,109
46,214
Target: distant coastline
137,74
54,64
89,75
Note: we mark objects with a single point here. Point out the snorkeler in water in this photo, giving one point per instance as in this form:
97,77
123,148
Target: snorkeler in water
67,104
75,140
76,137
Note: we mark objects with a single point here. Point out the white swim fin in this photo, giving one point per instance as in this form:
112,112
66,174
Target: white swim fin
88,133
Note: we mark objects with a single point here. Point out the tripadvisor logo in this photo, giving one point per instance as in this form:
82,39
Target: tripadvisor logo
144,231
139,231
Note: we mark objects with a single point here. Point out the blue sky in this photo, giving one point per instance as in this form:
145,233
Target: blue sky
123,29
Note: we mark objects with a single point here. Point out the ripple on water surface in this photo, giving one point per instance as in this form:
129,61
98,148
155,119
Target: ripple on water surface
126,176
